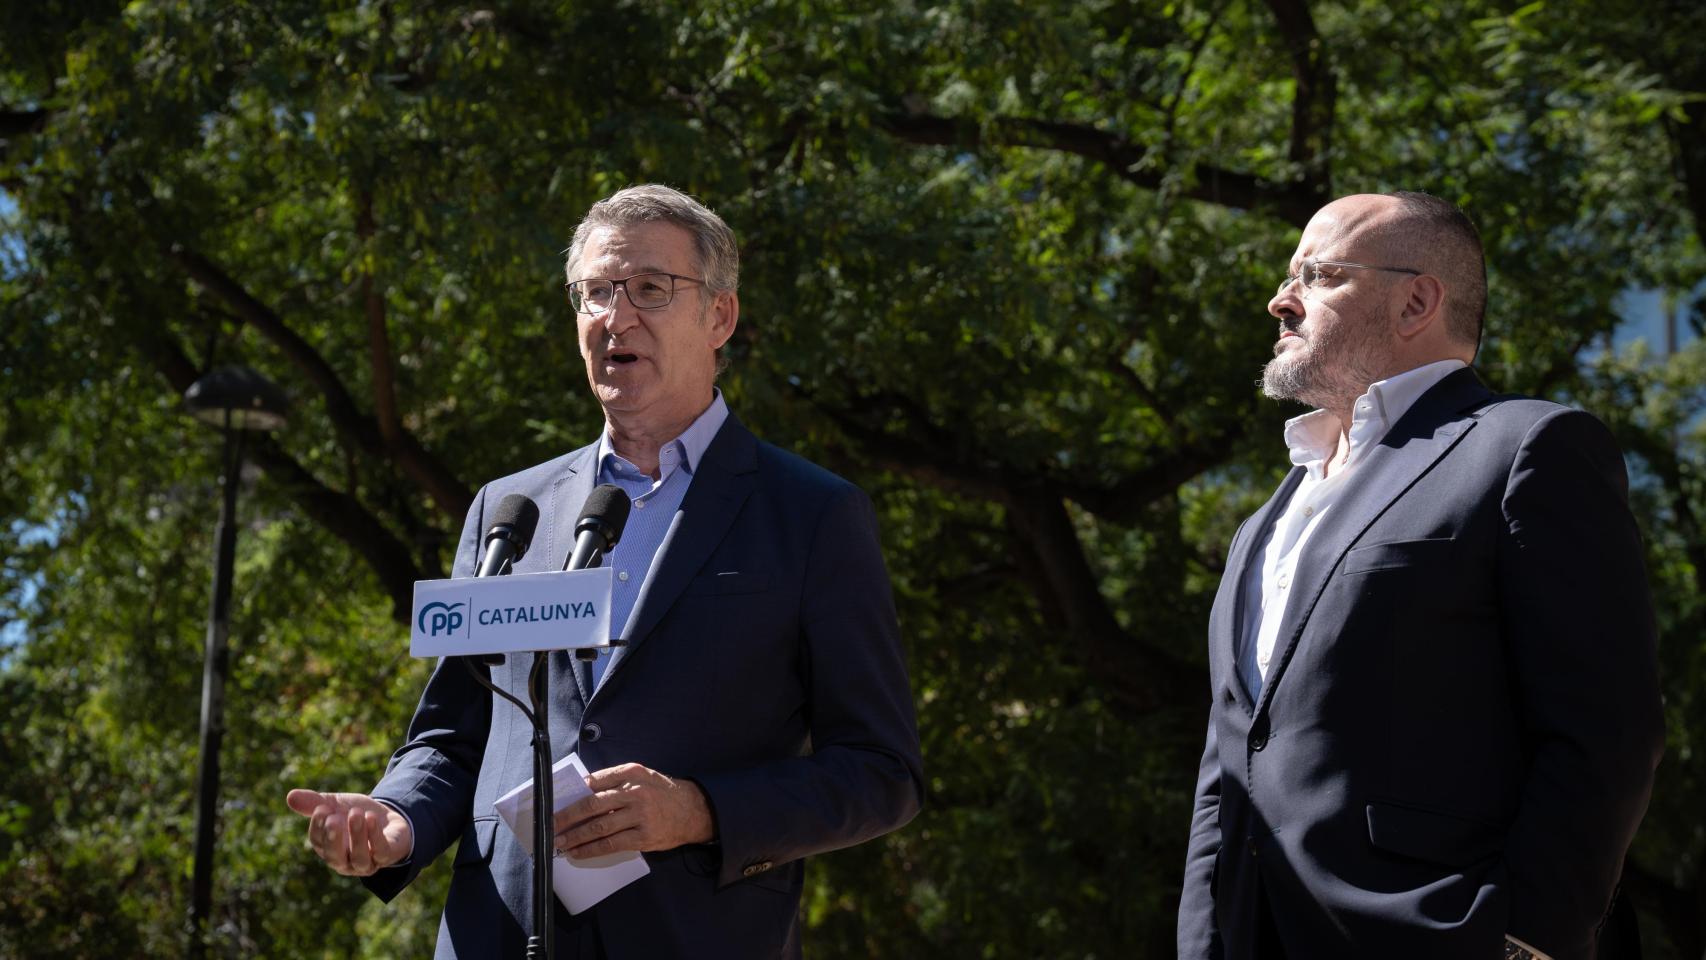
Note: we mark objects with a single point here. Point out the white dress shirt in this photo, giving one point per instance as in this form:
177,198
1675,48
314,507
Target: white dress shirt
1313,439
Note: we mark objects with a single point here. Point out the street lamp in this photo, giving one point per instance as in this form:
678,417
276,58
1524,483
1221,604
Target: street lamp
236,400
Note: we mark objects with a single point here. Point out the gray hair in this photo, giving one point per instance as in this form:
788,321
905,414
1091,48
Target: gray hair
1442,234
713,241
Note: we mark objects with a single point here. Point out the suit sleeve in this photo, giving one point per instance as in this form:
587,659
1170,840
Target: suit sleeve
1198,937
864,776
431,778
1579,624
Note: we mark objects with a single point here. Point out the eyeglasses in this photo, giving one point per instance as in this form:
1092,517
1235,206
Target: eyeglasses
647,291
1311,273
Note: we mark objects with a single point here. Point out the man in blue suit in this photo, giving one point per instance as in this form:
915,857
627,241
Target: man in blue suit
1435,715
759,711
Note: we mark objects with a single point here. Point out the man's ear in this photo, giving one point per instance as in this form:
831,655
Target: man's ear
722,318
1424,306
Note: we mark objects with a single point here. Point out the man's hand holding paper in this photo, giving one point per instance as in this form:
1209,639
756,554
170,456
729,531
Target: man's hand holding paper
633,807
578,883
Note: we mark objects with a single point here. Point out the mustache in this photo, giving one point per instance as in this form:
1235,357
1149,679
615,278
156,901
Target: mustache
1290,325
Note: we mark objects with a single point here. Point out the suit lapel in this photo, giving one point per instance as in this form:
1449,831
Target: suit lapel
1238,568
722,481
568,495
1427,432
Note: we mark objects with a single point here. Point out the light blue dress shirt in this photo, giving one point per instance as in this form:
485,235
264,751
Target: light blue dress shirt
655,506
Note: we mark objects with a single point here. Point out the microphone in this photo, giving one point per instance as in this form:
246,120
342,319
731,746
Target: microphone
599,527
509,535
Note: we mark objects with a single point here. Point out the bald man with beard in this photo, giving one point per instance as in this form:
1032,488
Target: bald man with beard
1435,713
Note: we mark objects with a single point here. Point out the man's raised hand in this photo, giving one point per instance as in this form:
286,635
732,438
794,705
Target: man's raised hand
355,834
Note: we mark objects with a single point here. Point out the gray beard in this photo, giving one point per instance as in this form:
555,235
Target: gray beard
1316,380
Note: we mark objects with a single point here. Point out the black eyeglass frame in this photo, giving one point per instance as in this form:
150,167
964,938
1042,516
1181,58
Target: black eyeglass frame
569,290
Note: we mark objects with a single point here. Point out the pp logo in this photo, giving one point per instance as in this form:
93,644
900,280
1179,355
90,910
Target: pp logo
439,617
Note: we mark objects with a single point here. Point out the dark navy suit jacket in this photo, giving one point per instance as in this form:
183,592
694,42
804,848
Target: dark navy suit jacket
763,661
1458,734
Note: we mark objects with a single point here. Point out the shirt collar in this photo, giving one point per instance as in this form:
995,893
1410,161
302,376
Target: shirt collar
685,451
1313,436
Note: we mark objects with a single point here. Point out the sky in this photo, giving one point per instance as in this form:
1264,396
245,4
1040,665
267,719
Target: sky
11,244
1643,316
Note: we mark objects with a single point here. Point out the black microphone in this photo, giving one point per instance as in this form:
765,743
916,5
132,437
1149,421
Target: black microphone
599,527
510,534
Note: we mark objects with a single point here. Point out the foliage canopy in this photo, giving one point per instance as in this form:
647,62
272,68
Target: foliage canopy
1005,267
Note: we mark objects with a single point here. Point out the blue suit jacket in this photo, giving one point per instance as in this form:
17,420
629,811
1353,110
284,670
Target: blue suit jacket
1458,734
763,660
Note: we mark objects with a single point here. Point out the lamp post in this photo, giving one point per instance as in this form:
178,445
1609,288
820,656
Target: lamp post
237,400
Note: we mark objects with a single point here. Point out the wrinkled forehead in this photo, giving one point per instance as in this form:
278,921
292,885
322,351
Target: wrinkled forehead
1355,228
620,251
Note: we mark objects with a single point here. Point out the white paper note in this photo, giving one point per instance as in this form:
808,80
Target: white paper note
578,883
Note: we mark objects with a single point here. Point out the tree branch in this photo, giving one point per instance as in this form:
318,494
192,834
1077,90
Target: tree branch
1690,141
1171,109
1125,500
345,518
447,492
1117,366
1316,91
1293,202
384,374
1143,292
1663,461
340,514
1141,678
19,123
926,452
925,458
351,424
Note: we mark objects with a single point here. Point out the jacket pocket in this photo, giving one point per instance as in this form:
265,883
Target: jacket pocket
1396,554
719,584
476,844
1429,835
783,878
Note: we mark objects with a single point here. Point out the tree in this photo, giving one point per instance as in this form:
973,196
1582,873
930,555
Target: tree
1005,267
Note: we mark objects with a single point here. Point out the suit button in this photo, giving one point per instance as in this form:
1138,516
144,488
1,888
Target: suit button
754,869
591,732
1259,733
1252,846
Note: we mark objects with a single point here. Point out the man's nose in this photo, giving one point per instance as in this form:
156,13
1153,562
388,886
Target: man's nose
621,314
1286,303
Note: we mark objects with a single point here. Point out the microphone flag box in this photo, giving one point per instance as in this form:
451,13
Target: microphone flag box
524,611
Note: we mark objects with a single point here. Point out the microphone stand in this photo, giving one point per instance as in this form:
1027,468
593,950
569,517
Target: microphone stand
541,945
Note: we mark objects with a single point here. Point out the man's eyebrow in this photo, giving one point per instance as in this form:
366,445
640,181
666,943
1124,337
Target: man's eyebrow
643,268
